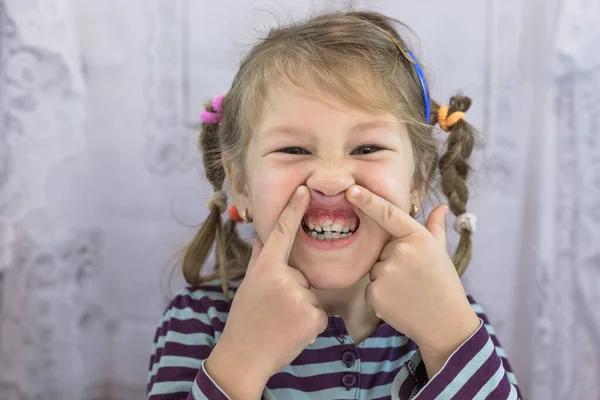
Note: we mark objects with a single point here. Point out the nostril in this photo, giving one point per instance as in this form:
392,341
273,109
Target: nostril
320,195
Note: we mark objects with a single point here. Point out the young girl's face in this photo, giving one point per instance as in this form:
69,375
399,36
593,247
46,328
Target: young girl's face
327,146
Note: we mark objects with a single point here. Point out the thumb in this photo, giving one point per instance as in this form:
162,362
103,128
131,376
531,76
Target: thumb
256,248
436,223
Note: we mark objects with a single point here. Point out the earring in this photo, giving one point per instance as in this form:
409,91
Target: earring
246,216
414,210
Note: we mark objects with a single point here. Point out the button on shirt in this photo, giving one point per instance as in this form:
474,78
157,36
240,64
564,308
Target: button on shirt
349,357
386,365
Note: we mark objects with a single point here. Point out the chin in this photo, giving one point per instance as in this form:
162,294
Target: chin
333,275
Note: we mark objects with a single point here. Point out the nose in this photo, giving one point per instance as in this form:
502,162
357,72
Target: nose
330,180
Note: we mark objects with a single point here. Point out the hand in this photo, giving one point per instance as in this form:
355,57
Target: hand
274,314
414,286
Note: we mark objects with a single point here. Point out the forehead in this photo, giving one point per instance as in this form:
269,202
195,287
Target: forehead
308,106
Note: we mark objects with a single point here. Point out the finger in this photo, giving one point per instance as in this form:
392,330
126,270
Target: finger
280,240
381,269
397,222
322,322
389,249
299,277
312,298
436,223
256,248
375,271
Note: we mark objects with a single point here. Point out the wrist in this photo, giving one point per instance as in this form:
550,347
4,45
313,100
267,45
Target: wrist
239,376
451,324
437,347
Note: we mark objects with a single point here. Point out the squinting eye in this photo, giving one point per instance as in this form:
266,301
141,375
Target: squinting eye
297,151
364,150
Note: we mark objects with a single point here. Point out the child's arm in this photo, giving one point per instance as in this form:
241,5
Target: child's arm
416,289
184,339
271,320
477,369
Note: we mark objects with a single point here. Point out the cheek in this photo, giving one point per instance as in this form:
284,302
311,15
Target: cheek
271,188
391,180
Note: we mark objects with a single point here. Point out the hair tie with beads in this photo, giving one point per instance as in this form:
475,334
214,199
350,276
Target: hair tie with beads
467,222
447,121
209,117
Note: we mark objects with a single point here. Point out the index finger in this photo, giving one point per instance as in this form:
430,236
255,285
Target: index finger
394,220
280,240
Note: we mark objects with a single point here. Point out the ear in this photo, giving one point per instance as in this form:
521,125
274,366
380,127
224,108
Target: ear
239,189
418,191
416,196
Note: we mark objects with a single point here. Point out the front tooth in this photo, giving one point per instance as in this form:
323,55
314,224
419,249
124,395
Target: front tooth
311,226
327,227
328,235
346,229
337,228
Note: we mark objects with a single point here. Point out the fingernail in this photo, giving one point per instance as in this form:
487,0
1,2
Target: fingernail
355,192
301,191
446,210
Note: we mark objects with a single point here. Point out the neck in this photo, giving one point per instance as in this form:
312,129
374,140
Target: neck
350,304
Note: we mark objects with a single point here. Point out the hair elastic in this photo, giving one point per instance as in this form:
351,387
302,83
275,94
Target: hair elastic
466,222
446,121
209,117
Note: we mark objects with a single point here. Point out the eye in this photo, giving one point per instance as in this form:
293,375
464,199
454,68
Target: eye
296,151
364,150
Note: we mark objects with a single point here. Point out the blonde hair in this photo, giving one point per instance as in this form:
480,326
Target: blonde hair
353,57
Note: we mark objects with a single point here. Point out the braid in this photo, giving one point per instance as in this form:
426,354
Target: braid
454,170
232,253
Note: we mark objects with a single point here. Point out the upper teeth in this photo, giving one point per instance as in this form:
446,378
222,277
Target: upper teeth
329,226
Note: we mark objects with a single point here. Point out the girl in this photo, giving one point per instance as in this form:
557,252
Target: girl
327,141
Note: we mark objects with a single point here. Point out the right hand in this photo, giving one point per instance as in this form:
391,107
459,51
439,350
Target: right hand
274,315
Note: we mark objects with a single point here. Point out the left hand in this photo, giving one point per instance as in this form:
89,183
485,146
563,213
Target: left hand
414,286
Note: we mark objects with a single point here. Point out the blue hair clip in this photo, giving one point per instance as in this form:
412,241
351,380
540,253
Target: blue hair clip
424,86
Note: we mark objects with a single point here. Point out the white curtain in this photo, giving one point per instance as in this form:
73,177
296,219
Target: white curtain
100,178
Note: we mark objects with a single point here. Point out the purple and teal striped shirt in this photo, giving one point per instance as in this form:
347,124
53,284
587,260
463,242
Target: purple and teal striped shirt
386,365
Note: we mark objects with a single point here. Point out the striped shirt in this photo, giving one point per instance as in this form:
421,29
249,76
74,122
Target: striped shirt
386,365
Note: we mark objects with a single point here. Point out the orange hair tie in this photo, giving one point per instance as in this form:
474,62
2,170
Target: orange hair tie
446,122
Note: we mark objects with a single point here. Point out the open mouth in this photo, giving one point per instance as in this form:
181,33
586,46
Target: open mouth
330,226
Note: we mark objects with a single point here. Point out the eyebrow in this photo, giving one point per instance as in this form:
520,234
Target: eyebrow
372,125
358,128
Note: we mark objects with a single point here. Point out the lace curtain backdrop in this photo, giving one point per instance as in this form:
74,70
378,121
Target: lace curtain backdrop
99,116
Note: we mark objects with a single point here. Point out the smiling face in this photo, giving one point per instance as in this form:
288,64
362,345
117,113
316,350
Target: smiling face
304,138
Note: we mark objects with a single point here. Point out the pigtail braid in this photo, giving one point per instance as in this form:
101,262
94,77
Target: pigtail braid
212,229
454,169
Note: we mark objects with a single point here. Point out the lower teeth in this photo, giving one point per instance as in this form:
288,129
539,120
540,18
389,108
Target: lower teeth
329,235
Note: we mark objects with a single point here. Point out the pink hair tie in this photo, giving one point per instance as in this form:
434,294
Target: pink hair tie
209,117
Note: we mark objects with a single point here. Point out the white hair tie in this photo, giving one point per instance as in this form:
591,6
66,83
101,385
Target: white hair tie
467,222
